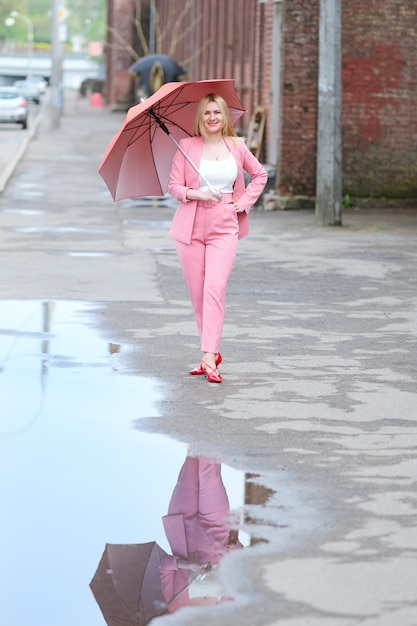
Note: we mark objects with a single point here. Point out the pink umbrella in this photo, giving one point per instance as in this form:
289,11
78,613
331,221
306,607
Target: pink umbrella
138,160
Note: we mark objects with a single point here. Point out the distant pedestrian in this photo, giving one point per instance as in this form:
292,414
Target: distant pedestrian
206,228
154,70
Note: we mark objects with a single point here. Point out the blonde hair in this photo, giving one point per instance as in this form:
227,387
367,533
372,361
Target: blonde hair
227,128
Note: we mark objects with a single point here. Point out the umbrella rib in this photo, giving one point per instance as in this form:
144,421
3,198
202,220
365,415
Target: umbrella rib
151,127
161,108
122,605
172,105
145,128
153,157
167,120
152,123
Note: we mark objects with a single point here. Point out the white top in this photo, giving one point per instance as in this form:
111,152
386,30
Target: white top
220,174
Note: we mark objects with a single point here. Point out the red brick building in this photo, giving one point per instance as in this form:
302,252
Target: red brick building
270,48
380,98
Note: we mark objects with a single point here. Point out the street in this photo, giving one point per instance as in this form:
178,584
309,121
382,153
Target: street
315,423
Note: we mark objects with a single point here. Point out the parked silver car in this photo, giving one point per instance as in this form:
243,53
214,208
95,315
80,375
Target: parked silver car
13,107
29,90
40,83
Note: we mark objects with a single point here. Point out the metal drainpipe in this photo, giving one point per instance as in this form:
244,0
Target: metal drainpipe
274,114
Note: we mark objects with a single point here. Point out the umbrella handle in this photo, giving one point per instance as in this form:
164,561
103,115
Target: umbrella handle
200,576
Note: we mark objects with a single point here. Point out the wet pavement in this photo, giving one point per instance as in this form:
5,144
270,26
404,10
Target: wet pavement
315,424
78,477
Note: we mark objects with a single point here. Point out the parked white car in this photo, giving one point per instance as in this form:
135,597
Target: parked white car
29,90
40,83
13,107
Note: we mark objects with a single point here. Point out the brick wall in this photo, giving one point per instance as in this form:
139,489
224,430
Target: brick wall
379,78
380,98
120,19
218,39
232,39
297,158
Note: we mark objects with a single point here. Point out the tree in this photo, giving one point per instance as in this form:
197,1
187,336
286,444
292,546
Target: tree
86,18
19,29
175,34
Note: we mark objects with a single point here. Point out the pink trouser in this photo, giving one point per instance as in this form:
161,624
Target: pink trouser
200,489
201,499
206,265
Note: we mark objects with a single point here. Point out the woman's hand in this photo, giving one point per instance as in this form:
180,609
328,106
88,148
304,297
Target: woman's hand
238,207
209,196
193,567
204,196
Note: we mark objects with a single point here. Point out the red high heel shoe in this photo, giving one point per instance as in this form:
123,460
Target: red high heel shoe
212,374
198,371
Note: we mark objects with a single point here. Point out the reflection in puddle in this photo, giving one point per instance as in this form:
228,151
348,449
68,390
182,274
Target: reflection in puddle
28,212
143,581
157,224
80,477
49,357
152,201
76,470
90,254
58,230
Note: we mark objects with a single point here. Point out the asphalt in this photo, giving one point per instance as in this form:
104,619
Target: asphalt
319,394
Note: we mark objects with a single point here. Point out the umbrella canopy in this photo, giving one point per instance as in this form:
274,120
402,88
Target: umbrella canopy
138,160
127,583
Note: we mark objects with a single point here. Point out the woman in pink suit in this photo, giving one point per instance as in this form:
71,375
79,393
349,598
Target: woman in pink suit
206,229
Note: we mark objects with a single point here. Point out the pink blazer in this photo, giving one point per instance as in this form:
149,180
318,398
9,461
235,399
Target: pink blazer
197,539
183,177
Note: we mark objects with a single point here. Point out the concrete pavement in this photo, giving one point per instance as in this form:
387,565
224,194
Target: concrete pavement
319,395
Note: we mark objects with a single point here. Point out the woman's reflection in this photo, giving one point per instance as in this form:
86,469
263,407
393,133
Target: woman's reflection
135,583
198,532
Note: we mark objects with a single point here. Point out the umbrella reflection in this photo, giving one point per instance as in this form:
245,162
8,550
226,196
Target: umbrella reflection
127,583
135,583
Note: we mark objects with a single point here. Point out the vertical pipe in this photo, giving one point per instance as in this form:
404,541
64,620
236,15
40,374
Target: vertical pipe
56,74
274,116
152,27
329,135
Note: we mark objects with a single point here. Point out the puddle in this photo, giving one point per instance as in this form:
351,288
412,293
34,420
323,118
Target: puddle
152,224
26,212
9,138
80,478
38,230
152,201
88,254
30,194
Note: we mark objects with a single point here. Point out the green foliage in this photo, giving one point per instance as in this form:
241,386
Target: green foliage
6,7
86,19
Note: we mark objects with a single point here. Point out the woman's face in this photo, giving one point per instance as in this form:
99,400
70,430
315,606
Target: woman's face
213,118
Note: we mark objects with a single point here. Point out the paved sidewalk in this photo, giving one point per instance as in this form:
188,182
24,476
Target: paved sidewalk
320,371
